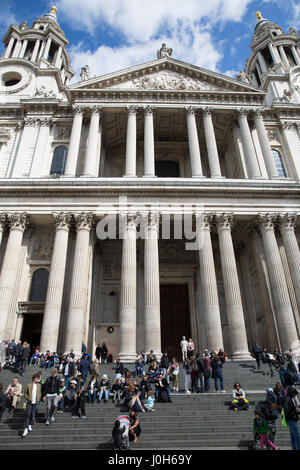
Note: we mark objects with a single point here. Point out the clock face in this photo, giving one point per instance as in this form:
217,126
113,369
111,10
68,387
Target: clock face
297,81
13,78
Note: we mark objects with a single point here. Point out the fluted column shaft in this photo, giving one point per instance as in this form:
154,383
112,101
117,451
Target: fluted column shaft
73,151
212,150
248,145
79,284
52,311
209,289
151,288
18,223
287,224
234,306
127,350
91,163
281,300
265,145
194,147
149,151
130,163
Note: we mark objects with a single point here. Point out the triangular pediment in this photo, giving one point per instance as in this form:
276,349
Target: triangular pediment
167,74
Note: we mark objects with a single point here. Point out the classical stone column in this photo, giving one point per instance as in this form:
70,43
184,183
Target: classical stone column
18,222
52,311
130,163
193,142
9,48
35,50
72,158
265,144
149,151
248,145
287,223
281,300
47,48
127,351
91,163
213,157
151,287
209,289
79,284
234,306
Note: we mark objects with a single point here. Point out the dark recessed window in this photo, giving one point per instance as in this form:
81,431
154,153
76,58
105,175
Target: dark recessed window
167,169
59,160
39,285
11,78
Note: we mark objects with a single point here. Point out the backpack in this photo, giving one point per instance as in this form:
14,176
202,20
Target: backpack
194,366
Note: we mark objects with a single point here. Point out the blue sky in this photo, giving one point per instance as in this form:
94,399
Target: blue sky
110,35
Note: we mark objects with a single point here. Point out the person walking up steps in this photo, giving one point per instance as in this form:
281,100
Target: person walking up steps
261,428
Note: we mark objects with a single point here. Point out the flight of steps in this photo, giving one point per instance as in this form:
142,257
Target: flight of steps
196,421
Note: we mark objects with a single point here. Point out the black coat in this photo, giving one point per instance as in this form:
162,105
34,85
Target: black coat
71,370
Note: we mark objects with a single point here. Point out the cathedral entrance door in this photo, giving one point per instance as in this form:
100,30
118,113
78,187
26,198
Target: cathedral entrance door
32,327
174,318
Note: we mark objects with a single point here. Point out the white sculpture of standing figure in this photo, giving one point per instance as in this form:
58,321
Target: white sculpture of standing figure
183,345
164,52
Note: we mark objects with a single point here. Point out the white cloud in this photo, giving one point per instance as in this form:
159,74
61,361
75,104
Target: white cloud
144,25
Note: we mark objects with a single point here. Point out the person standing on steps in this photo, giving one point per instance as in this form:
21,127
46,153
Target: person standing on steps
257,354
32,395
217,373
50,393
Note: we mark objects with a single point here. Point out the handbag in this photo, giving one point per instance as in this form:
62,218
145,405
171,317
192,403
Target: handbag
283,420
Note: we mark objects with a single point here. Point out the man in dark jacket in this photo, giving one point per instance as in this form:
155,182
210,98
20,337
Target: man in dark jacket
84,368
49,392
18,354
292,410
119,368
164,364
200,372
257,354
68,371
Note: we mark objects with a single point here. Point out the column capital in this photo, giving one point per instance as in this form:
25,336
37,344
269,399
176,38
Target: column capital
84,221
78,108
243,112
62,220
224,221
207,111
132,109
287,220
206,219
154,219
18,221
191,110
149,109
266,221
96,110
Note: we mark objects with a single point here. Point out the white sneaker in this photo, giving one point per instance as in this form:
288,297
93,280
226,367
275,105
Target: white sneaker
223,391
25,432
47,422
52,418
188,392
29,427
177,390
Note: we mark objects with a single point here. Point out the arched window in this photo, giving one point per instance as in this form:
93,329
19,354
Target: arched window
39,284
279,163
167,169
59,160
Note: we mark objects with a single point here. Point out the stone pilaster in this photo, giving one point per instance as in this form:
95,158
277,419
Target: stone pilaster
130,164
209,289
194,147
127,351
79,284
287,223
282,305
91,163
234,306
18,222
151,287
52,311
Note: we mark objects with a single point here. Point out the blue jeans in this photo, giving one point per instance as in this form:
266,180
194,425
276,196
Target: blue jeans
219,378
60,403
138,370
92,395
294,433
106,394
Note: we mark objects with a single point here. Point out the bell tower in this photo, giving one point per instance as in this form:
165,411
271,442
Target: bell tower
275,61
37,51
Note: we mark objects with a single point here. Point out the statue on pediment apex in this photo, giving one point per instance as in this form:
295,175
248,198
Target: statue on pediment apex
164,51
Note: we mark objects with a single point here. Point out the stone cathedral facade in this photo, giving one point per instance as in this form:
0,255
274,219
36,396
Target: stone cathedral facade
157,145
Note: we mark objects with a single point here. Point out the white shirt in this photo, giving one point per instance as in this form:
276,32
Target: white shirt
34,392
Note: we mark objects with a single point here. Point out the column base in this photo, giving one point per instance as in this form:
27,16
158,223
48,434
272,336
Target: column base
127,357
241,356
149,176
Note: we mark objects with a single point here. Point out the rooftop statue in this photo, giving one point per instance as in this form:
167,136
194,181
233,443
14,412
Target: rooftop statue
258,16
53,11
164,52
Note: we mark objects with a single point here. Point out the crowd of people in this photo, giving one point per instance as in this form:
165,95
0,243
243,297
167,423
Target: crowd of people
75,382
